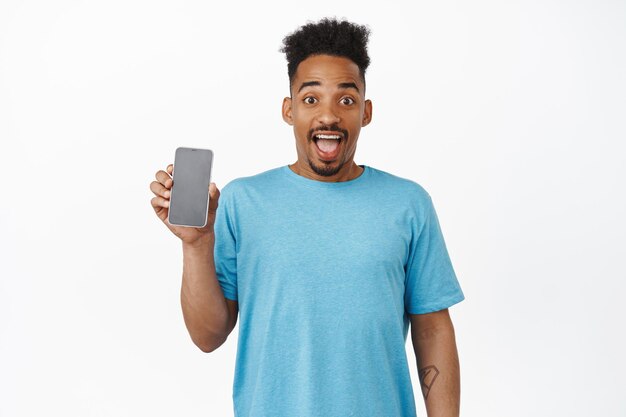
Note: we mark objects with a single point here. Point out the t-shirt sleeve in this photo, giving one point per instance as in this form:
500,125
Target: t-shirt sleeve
431,283
225,252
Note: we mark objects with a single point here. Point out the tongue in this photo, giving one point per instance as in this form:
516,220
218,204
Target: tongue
327,145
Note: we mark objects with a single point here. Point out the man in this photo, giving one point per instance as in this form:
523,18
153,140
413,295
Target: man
326,261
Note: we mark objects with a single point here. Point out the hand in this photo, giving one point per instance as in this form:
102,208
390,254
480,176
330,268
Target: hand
161,202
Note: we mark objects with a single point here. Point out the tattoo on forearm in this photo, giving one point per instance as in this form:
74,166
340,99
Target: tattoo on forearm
427,377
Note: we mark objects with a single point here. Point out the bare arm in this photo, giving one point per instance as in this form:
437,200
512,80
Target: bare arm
209,316
437,360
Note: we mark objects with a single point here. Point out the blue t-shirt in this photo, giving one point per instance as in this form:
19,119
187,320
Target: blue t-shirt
325,275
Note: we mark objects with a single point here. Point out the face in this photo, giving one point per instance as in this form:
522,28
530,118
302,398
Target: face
327,109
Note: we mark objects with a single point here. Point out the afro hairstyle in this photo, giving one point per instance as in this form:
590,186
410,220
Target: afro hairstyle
327,37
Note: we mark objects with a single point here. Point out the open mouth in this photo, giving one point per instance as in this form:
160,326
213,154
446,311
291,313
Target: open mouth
328,144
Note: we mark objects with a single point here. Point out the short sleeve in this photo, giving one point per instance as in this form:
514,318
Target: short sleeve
225,252
430,283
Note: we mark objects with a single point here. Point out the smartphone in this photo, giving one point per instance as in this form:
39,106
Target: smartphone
189,197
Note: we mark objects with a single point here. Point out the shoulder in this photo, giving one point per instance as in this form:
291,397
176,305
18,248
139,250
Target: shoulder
252,182
396,187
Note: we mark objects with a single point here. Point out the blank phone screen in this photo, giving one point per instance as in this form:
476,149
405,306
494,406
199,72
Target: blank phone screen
189,200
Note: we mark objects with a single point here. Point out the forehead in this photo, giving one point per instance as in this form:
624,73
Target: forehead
328,70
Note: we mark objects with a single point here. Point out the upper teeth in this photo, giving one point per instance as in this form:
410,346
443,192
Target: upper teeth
328,136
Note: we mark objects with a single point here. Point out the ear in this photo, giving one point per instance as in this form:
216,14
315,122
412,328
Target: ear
287,111
367,113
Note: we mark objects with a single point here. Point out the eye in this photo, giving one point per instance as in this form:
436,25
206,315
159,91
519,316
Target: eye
347,101
310,100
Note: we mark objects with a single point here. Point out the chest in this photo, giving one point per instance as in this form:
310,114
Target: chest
325,236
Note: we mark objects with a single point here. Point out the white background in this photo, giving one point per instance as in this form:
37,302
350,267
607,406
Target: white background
510,113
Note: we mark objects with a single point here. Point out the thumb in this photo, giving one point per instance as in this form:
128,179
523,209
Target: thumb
214,196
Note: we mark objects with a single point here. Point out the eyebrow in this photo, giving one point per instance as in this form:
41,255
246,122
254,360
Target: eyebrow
349,85
317,83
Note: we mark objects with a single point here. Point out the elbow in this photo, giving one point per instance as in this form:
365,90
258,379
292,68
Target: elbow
209,345
207,349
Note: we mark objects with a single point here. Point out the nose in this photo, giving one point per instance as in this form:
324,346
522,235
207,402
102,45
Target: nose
328,115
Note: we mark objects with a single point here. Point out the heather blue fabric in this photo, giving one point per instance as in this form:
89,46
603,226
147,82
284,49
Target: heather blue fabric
325,275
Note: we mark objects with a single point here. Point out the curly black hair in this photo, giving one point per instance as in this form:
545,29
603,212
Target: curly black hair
329,36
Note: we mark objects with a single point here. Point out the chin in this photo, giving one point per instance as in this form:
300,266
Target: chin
325,170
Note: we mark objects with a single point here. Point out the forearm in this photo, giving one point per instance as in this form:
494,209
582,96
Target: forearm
438,367
203,303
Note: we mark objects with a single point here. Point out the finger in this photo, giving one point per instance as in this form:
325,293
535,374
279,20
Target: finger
214,196
158,202
164,178
170,169
159,189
